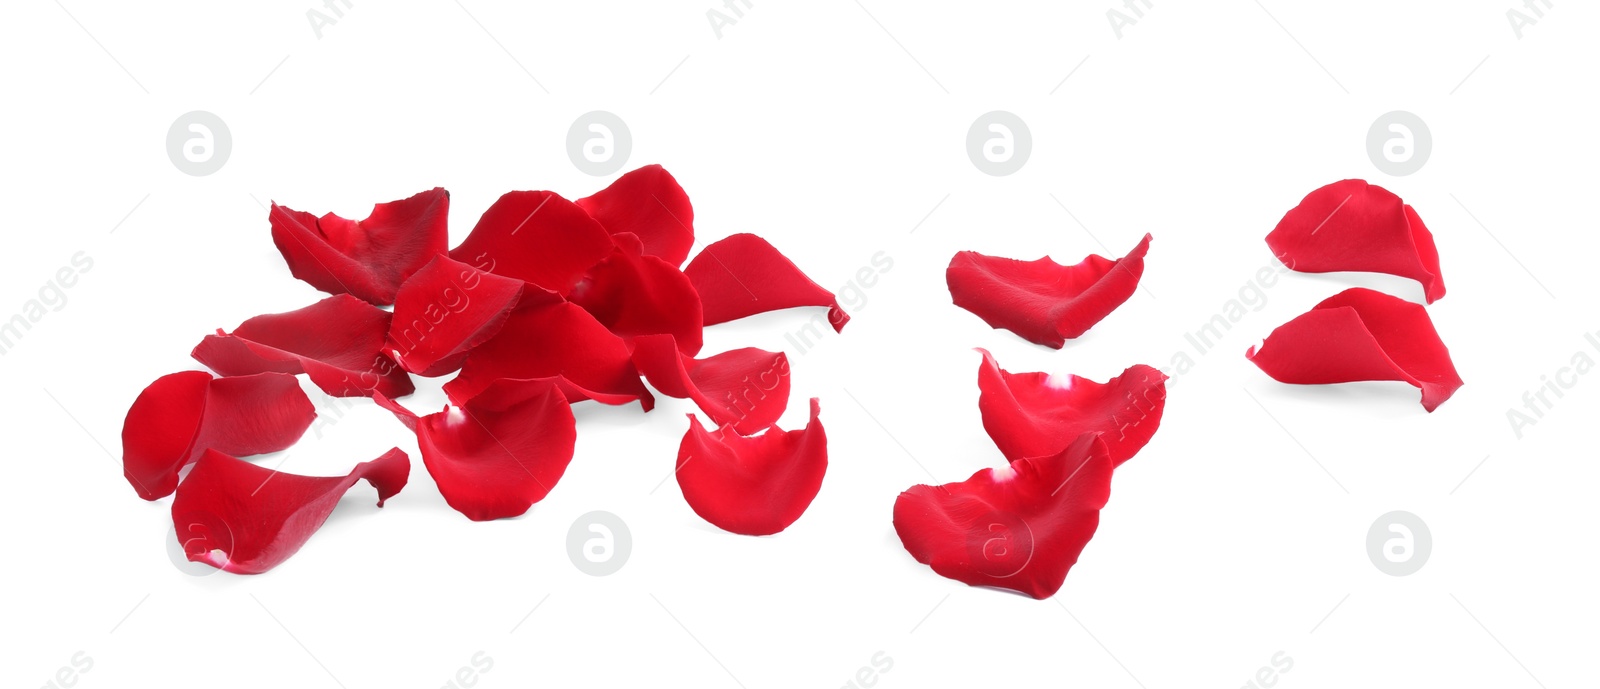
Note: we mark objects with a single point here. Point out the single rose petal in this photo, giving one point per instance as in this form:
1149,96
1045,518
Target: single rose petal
181,415
649,204
1043,301
444,310
247,519
752,485
1019,527
742,275
1360,334
1352,225
367,258
634,294
546,336
535,236
1037,414
746,388
500,452
337,342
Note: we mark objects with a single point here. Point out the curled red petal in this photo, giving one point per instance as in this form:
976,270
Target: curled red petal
649,204
742,275
634,294
536,236
500,452
753,485
1019,527
1037,414
548,337
247,519
444,310
1360,334
745,388
337,342
1043,301
1353,225
367,258
181,415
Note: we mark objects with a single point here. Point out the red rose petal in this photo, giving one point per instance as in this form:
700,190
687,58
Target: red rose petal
746,388
502,451
649,204
1037,414
633,295
545,337
247,519
535,236
1019,527
367,258
742,275
338,342
181,415
752,485
1360,334
444,310
1352,225
1043,301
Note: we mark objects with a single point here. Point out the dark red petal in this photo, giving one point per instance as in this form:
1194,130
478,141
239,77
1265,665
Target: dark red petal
181,415
1019,527
1352,225
633,295
649,204
1043,301
743,275
367,258
338,342
444,310
752,485
247,519
1360,334
745,388
1037,414
546,337
535,236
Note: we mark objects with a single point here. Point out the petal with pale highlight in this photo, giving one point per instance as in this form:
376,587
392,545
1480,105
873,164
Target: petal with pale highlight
1036,414
753,485
338,342
1043,301
367,258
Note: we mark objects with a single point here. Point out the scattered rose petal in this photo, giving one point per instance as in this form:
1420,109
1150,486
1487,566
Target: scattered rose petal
1360,334
444,310
1042,301
367,258
338,342
1037,414
634,294
247,519
649,204
1352,225
743,275
744,388
1019,527
181,415
535,236
753,485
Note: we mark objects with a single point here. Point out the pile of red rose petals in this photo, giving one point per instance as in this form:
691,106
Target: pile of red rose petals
548,302
1360,334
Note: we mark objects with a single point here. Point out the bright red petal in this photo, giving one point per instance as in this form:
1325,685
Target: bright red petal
535,236
443,311
247,519
752,485
743,275
649,204
1037,414
745,388
367,258
1042,301
634,295
1352,225
337,342
1360,334
1019,527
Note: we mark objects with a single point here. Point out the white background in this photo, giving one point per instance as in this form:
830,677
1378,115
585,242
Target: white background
836,130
